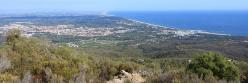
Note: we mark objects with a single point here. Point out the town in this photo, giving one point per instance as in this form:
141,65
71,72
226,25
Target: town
28,29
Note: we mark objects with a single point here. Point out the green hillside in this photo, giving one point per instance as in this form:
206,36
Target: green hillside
38,61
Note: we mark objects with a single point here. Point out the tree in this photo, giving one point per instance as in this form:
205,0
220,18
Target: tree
214,64
13,36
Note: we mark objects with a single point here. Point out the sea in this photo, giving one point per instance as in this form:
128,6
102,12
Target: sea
224,22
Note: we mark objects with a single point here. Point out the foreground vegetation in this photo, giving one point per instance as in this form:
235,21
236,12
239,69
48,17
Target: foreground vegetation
32,60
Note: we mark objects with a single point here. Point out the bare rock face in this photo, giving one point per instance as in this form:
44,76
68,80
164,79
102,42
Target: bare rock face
27,78
4,63
127,77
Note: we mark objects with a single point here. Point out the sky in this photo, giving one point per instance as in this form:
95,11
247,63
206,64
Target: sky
16,6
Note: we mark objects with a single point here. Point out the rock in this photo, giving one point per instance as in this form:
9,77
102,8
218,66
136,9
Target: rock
4,63
125,76
49,75
80,78
27,78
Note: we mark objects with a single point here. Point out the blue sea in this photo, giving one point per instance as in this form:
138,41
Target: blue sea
225,22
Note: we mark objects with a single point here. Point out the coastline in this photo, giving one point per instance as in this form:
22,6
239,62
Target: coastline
165,27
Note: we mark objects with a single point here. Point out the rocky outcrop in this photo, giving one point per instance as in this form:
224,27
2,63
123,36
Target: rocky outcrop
4,63
127,77
27,78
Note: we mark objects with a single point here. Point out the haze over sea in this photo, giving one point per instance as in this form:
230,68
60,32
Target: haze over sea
225,22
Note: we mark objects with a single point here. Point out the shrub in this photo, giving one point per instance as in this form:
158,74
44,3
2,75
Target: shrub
128,67
108,69
5,77
214,64
244,78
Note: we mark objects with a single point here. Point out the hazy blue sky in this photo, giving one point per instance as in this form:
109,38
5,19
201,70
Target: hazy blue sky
120,5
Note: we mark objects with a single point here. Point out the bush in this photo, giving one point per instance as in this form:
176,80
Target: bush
214,64
244,78
107,70
5,77
128,67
